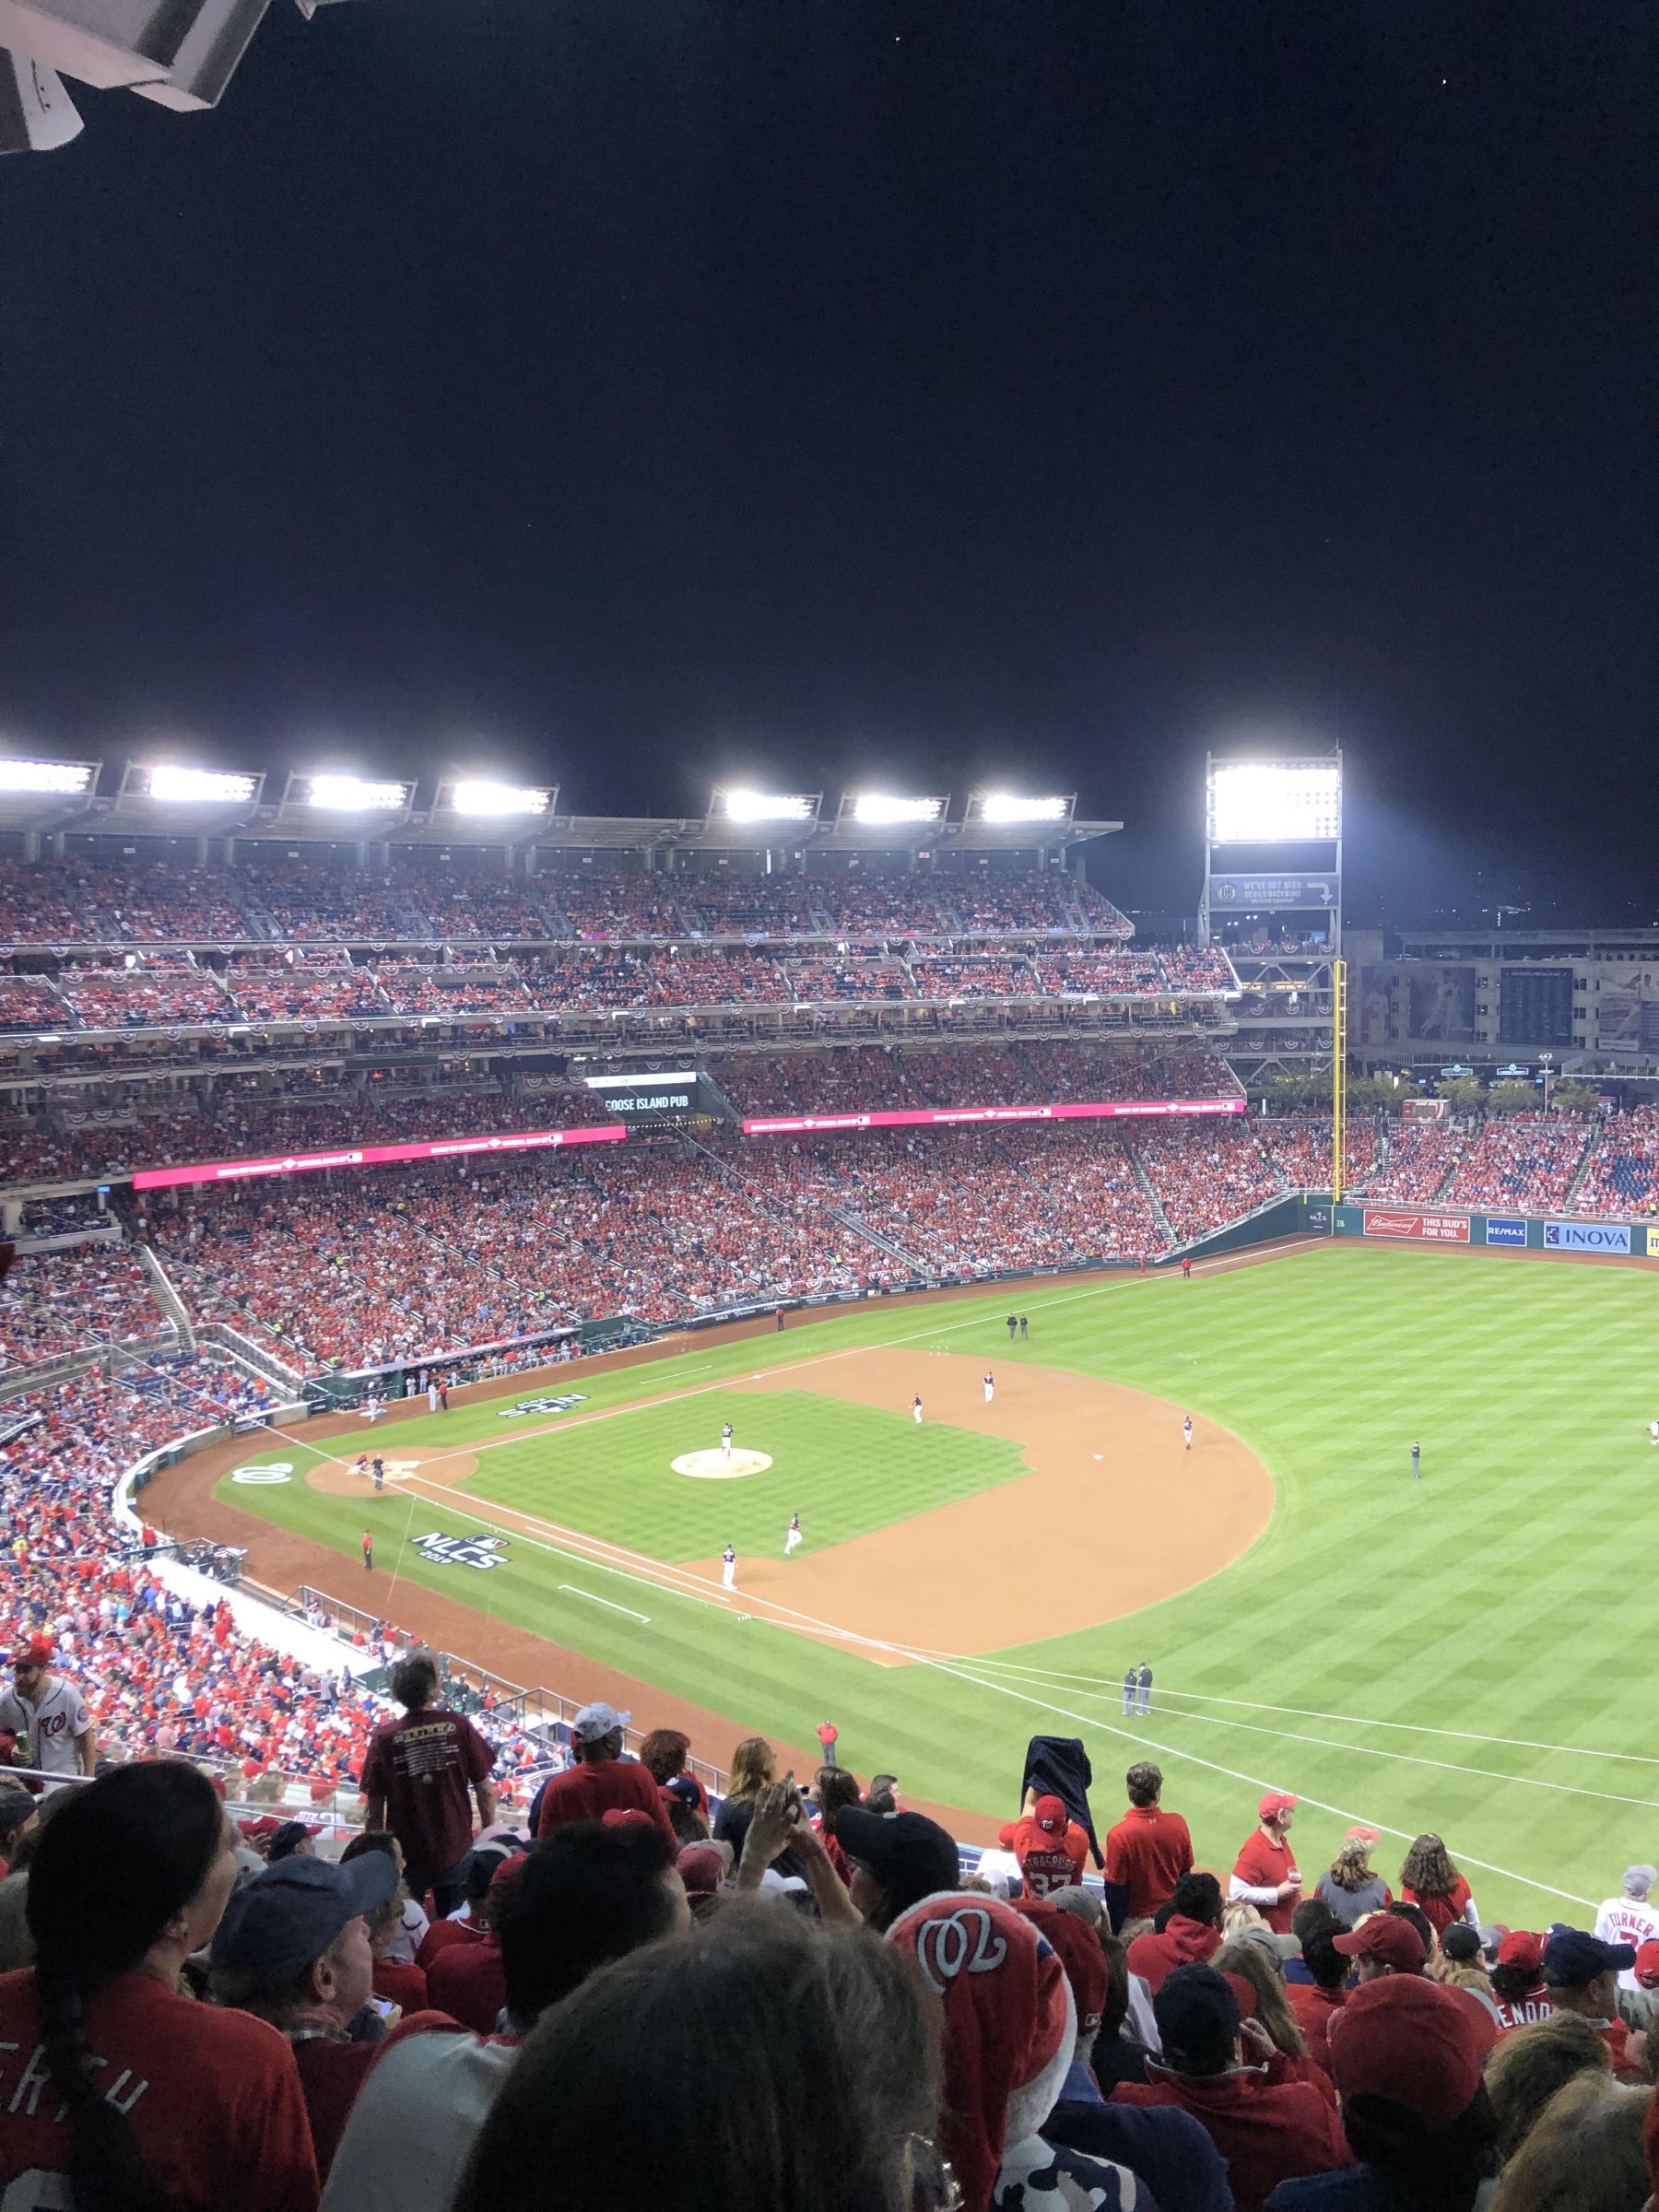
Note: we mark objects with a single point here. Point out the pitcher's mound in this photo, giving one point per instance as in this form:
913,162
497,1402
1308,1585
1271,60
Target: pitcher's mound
717,1467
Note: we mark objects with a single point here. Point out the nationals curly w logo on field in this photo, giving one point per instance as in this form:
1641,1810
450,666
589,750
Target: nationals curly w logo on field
525,1405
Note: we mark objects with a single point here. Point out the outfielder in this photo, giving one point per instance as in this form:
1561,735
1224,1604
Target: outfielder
728,1568
916,1411
794,1538
990,1386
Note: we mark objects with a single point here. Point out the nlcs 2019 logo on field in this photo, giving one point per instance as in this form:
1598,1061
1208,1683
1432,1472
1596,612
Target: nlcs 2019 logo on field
483,1552
525,1405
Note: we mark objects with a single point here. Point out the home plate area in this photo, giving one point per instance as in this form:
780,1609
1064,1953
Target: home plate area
720,1467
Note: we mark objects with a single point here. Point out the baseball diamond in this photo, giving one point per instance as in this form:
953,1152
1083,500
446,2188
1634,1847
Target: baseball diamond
991,1573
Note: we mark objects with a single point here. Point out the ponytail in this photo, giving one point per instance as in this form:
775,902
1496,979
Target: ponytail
114,1868
106,2167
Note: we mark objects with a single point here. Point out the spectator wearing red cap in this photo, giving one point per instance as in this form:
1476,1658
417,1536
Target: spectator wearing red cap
1190,1933
1149,1850
1518,1982
1264,1871
1010,2035
1416,2115
1431,1882
47,1715
1383,1944
419,1776
1168,2150
602,1781
1214,2067
1052,1849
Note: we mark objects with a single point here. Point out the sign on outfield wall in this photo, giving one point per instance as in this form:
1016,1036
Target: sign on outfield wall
1586,1236
1506,1230
954,1117
1434,1228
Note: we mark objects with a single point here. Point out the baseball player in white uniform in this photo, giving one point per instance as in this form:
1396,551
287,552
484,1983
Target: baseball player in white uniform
1653,1432
916,1411
990,1386
48,1713
725,1442
431,1397
1186,1434
728,1568
794,1538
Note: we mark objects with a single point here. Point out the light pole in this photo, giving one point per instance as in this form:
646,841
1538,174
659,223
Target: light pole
1546,1058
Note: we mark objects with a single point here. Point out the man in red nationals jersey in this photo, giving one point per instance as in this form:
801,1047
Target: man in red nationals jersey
1050,1847
115,2089
1264,1871
419,1776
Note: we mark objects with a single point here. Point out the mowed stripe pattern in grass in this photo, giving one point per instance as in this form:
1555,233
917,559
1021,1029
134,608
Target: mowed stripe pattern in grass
843,1468
1505,1593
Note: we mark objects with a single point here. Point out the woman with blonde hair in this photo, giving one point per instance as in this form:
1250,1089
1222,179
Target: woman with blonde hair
1257,1961
1584,2155
1348,1886
753,1768
1431,1882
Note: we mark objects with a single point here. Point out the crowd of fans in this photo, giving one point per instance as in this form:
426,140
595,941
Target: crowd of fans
85,901
118,998
1204,1173
1622,1176
792,2000
55,1304
1522,1159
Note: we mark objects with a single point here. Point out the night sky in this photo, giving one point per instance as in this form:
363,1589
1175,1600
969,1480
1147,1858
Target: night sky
636,391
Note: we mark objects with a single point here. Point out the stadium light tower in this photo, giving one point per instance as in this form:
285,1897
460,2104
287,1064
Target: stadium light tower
1273,897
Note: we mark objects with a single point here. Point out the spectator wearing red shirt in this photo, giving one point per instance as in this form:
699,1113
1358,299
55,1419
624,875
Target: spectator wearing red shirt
1050,1846
1264,1871
1431,1882
1213,2066
1149,1850
1407,2064
1518,1982
128,1881
419,1777
602,1781
293,1949
1190,1933
827,1734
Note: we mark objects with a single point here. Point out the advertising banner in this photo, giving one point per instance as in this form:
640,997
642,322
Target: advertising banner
376,1156
1254,891
806,1124
1434,1228
1502,1230
1586,1236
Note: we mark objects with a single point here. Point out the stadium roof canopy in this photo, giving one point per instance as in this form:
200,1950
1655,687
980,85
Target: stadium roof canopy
52,796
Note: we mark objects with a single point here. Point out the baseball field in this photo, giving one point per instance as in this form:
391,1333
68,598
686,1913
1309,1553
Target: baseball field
1464,1652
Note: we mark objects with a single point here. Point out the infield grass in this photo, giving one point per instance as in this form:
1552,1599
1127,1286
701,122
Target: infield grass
1464,1653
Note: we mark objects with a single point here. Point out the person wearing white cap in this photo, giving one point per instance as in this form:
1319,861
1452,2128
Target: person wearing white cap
1630,1917
602,1781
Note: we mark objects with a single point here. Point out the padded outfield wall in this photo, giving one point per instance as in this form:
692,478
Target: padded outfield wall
1380,1222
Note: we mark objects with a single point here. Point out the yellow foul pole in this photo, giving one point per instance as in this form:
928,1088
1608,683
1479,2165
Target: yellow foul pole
1338,1075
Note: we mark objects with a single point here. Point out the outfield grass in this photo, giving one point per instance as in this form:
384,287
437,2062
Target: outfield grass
1344,1657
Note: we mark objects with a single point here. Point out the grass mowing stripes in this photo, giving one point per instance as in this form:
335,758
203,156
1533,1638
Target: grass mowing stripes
1503,1594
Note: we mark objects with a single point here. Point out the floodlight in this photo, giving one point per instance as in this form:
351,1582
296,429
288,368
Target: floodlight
1275,802
479,794
879,807
356,795
1009,807
194,784
50,778
765,806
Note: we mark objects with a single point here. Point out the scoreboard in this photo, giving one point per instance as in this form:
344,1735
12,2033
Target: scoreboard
646,1100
